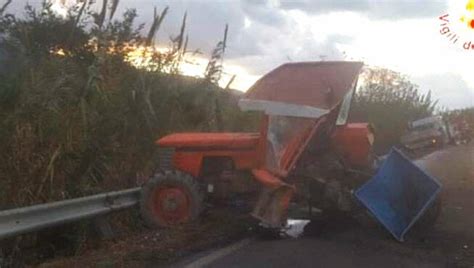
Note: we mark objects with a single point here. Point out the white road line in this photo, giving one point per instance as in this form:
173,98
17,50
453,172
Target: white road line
206,260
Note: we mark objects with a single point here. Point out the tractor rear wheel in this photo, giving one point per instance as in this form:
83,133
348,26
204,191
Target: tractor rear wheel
170,198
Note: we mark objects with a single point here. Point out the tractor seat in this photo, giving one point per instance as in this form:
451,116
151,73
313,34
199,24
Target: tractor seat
214,141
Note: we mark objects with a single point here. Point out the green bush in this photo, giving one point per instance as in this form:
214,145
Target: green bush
77,118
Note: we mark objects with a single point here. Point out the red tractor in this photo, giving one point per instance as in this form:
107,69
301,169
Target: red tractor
305,154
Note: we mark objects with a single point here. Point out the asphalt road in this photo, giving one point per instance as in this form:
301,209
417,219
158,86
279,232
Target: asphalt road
349,244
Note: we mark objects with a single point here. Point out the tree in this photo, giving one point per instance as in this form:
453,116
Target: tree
389,100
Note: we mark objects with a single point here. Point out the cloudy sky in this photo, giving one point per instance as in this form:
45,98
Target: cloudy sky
401,35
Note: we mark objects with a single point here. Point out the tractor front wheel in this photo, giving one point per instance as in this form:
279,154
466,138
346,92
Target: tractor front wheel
170,198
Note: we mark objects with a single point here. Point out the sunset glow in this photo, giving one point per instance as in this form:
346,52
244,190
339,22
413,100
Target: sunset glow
192,65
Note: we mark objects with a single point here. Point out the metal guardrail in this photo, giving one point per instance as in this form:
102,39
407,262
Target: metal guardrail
27,219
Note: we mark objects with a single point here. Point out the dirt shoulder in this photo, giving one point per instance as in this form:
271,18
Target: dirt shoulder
160,247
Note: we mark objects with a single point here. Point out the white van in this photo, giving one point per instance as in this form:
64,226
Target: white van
426,132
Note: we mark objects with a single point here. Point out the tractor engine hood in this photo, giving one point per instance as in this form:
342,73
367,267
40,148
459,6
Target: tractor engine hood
303,89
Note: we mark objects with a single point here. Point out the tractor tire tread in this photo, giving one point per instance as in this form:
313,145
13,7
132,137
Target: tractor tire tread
170,177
